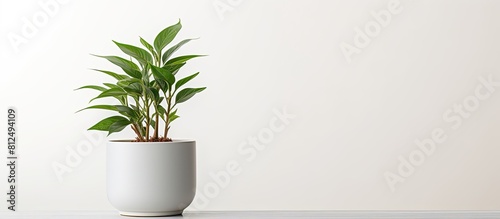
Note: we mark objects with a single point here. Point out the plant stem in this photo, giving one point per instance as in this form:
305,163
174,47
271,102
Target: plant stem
157,122
167,120
166,132
148,120
135,128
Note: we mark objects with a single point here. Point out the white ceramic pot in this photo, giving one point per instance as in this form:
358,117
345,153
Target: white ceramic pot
151,178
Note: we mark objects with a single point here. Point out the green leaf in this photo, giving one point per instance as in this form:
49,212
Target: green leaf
173,116
162,85
173,112
134,73
122,99
156,94
149,47
153,92
113,92
145,74
94,87
128,67
173,49
152,83
127,111
185,80
111,85
173,68
106,123
181,59
118,126
166,36
112,74
162,111
187,93
104,107
134,107
152,123
161,74
134,88
128,81
137,110
141,55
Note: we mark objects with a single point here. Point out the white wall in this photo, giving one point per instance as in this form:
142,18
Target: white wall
352,120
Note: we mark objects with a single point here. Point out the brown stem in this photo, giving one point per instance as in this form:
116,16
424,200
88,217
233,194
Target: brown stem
155,136
148,122
136,130
166,132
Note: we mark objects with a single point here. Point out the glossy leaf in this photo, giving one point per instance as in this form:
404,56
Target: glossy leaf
112,74
173,49
163,75
128,81
173,116
166,36
152,123
149,47
185,80
187,93
127,111
155,94
118,126
104,107
93,87
106,123
111,85
162,111
134,88
113,92
162,85
141,55
173,68
128,67
181,59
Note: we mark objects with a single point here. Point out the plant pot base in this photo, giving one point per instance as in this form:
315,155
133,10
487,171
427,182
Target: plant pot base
150,214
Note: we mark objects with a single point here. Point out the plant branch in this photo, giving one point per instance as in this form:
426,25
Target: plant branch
157,122
169,109
135,128
148,119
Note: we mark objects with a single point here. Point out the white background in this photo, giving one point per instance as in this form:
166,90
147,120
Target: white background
352,119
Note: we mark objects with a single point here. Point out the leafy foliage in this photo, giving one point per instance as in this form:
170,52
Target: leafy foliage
148,91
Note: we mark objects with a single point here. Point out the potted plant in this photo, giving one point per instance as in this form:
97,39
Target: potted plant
151,175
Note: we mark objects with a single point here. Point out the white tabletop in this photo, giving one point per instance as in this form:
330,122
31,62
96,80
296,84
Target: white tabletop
268,214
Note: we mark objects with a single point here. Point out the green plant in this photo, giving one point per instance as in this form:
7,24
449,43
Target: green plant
148,93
